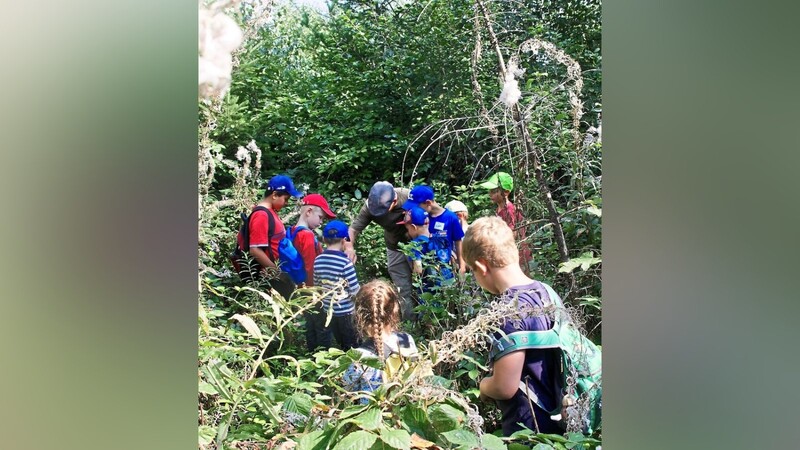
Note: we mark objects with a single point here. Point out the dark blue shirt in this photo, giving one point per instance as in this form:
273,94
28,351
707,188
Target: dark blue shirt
541,369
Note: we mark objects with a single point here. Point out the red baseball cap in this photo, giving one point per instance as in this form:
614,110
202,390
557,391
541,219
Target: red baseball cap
318,200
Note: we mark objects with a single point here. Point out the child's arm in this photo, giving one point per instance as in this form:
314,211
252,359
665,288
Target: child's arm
462,268
504,382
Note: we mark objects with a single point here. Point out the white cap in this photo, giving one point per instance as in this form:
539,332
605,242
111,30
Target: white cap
456,206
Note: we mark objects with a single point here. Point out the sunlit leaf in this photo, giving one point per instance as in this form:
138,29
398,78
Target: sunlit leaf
248,325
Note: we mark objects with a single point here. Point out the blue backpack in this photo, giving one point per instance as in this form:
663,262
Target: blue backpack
289,259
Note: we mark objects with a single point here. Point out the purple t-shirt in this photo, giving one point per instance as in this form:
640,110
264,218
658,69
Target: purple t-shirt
541,367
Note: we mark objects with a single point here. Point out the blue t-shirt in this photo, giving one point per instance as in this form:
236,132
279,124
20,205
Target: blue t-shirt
440,272
445,229
541,369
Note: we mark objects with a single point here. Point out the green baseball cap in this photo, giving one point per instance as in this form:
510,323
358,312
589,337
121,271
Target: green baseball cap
500,179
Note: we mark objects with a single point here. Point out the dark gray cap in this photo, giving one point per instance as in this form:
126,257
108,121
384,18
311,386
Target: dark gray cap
380,198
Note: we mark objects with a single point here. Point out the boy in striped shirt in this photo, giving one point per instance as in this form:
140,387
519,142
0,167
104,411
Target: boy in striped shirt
334,272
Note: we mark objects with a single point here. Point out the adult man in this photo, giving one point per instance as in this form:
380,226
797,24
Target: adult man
383,208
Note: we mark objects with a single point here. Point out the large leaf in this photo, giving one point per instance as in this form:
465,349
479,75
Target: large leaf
358,440
585,261
462,438
492,442
249,325
205,388
206,434
311,441
415,418
370,420
444,417
396,438
299,403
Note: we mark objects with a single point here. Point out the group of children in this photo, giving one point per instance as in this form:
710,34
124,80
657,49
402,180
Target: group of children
368,317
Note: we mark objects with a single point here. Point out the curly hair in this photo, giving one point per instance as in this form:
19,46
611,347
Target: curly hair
377,306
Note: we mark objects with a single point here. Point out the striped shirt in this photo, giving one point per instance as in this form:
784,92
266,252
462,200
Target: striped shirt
330,268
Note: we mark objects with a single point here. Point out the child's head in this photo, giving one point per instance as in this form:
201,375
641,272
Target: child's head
313,210
421,196
416,222
499,185
489,243
377,309
334,233
279,189
459,208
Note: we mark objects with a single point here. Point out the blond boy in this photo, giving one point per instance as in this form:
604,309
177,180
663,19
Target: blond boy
491,253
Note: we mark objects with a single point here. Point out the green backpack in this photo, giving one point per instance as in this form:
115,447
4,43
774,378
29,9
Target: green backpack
580,361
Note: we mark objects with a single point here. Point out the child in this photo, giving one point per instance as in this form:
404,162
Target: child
500,186
416,223
313,210
377,307
330,269
265,234
491,253
461,212
443,225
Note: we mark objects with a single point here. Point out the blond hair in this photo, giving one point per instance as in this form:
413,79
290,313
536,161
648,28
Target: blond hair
490,239
377,306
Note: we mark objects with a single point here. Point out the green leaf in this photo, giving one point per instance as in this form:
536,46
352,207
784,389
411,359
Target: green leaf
311,440
396,438
542,447
595,211
206,434
205,388
299,403
444,417
462,438
517,446
249,325
584,261
492,442
371,419
358,440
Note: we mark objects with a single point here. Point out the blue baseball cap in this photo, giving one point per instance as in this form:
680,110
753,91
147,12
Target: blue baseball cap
283,183
336,229
419,194
415,216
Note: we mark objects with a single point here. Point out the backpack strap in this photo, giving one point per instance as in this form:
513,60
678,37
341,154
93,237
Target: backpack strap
270,227
523,340
295,230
